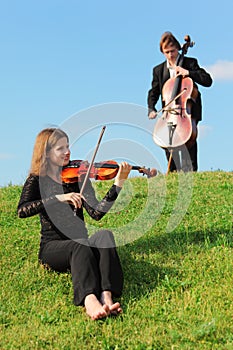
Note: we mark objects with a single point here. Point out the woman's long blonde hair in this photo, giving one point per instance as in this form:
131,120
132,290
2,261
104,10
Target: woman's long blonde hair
45,140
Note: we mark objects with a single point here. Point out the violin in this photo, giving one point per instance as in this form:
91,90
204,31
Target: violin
106,170
175,127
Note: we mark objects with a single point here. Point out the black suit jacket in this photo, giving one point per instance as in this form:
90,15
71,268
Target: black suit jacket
161,75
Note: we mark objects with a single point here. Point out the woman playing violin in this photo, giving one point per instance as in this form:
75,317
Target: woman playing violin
65,246
170,47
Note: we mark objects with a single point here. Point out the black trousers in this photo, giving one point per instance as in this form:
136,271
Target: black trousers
93,268
184,158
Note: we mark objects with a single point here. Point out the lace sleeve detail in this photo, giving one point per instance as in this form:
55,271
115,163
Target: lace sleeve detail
30,202
97,209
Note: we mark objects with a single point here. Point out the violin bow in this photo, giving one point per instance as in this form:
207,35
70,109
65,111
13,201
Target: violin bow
93,159
173,99
91,164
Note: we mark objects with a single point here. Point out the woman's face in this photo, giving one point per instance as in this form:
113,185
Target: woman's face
60,154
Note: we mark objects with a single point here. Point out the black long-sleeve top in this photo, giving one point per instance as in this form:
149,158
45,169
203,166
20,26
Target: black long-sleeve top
57,219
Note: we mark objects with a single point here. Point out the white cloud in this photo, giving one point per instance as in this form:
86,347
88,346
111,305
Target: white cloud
221,70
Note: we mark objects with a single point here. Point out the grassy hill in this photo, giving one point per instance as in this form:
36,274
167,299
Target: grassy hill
178,271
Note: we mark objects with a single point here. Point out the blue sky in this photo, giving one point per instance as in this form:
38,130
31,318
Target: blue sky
80,61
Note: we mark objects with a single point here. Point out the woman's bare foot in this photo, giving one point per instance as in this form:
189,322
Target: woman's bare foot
94,308
106,299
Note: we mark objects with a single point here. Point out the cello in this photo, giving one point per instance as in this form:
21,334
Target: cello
175,128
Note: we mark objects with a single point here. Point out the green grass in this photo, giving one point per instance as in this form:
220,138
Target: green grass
178,283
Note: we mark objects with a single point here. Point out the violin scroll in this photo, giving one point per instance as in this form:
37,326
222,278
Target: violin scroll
148,172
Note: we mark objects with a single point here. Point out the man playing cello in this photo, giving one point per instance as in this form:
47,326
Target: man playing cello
170,68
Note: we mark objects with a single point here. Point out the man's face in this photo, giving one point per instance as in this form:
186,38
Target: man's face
171,52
